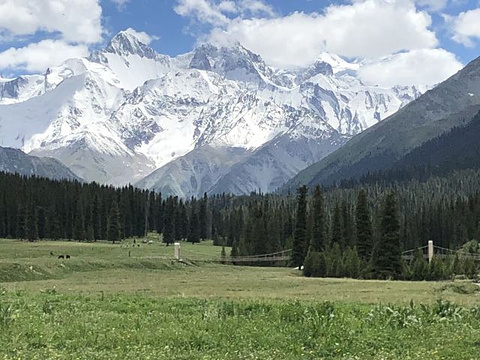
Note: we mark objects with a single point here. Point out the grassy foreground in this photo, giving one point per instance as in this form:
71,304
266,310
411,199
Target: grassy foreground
52,326
105,304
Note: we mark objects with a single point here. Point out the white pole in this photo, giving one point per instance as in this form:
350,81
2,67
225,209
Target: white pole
430,250
177,250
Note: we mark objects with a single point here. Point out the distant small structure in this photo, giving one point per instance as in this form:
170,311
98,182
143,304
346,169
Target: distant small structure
67,256
177,250
61,257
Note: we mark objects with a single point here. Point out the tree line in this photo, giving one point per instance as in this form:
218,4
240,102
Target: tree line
350,245
344,222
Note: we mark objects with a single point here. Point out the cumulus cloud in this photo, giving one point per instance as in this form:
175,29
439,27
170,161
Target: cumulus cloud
75,20
39,56
365,29
398,32
466,27
424,66
70,26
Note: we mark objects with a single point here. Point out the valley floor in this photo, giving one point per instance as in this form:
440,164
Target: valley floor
116,302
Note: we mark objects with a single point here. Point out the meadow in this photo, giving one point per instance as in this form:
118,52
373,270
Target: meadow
123,302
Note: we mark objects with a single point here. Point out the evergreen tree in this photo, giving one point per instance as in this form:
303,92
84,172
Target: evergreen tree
42,223
183,221
114,233
79,229
337,230
419,266
456,267
194,232
31,227
90,235
387,259
96,219
56,232
347,225
203,218
169,221
436,270
364,241
21,217
299,239
318,232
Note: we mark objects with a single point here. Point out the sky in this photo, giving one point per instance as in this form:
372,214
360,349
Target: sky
398,42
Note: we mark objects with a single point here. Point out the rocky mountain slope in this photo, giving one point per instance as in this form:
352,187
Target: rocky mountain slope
450,104
126,112
16,161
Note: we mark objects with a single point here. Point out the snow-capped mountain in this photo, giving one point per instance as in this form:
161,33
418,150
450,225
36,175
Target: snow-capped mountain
215,119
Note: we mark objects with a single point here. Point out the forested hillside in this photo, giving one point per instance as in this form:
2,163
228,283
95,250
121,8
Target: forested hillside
458,149
455,150
445,209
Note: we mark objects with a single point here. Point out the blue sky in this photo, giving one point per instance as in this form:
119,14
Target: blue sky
157,17
397,38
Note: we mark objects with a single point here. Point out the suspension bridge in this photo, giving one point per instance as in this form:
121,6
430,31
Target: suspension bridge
195,255
427,251
431,250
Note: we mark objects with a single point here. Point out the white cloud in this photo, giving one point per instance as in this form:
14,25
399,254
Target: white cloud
216,13
466,27
39,56
424,66
362,29
433,5
227,7
75,20
142,36
256,7
121,4
365,29
203,10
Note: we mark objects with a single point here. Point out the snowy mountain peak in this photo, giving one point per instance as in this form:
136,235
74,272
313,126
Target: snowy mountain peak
337,63
127,43
124,111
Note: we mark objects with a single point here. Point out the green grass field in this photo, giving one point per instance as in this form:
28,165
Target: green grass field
105,303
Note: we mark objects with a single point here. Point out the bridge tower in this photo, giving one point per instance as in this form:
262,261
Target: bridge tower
430,250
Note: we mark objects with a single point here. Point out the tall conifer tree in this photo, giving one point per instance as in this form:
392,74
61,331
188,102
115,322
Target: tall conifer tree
299,237
364,240
203,218
318,234
169,221
114,226
387,259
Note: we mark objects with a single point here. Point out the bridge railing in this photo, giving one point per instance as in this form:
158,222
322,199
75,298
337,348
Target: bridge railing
431,250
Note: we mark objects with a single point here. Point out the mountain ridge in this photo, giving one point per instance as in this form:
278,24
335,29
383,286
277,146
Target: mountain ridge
432,114
16,161
127,106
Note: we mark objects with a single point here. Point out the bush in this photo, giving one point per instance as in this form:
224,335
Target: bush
352,264
314,265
